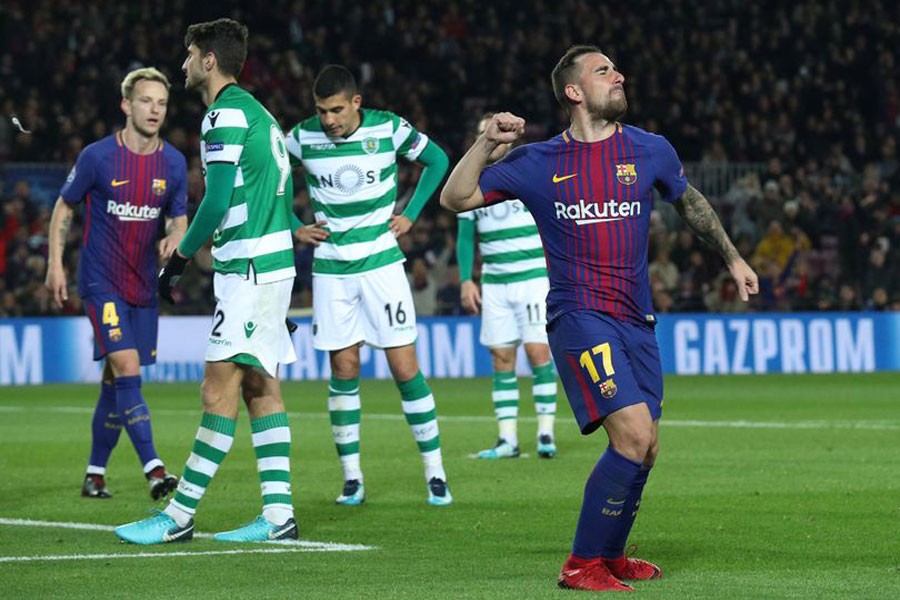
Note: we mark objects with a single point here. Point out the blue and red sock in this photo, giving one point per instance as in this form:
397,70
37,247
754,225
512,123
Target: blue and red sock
605,515
105,429
135,416
615,545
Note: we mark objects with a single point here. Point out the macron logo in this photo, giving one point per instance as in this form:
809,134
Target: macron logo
132,212
585,213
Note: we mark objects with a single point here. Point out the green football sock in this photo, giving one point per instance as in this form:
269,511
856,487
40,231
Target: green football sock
505,395
544,388
272,444
211,445
420,412
344,410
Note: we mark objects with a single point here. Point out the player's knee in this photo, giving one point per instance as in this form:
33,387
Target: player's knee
345,366
538,354
635,443
125,363
403,362
210,393
504,359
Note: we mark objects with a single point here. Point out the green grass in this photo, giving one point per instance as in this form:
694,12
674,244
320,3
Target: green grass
808,507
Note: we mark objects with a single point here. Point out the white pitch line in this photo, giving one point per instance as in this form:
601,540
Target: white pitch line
860,425
304,545
868,425
52,557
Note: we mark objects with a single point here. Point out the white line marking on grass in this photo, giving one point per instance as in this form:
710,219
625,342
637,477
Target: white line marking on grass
873,425
306,546
864,425
17,559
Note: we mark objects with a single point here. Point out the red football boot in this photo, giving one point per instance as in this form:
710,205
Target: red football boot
589,574
632,568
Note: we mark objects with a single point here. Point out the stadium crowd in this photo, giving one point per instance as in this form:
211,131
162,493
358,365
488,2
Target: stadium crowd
794,106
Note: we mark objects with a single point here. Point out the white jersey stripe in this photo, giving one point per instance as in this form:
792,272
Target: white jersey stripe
236,215
247,248
224,117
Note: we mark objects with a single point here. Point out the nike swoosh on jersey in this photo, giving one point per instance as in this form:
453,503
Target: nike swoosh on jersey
557,178
117,183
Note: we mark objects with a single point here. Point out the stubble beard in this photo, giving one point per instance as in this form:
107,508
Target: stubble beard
144,132
613,110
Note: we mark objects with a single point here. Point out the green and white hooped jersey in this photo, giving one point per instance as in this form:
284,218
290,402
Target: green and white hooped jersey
352,184
508,239
256,230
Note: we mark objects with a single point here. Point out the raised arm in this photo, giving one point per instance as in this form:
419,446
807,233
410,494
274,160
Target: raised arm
461,193
697,212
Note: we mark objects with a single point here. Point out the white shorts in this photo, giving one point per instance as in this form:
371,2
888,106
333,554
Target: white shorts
514,312
250,320
374,307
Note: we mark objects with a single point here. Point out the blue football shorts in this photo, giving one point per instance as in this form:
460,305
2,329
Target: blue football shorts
118,325
605,364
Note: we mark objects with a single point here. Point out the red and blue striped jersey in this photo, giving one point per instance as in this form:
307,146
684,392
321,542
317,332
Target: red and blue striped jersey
127,196
592,204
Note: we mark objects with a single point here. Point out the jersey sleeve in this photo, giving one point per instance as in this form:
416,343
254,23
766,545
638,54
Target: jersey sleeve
408,140
503,180
224,133
178,202
81,177
670,180
292,143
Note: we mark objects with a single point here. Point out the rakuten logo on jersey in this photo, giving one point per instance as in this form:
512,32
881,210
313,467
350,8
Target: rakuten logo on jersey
132,212
585,213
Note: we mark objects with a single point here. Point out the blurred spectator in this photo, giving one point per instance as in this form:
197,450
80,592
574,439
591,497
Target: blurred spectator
848,298
724,297
448,296
756,106
422,285
664,270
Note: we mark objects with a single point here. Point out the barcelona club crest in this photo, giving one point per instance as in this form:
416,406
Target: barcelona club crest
115,334
608,388
158,186
626,174
370,145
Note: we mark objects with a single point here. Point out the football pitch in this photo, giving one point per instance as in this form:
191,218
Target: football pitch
766,487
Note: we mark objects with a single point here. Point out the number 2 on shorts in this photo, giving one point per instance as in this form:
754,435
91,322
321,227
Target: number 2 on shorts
587,361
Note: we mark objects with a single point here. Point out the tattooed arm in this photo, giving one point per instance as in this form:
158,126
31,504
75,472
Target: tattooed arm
60,222
696,211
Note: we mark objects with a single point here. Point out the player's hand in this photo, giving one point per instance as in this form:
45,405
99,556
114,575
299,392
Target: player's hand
504,128
56,283
400,225
169,276
313,234
168,244
470,296
747,281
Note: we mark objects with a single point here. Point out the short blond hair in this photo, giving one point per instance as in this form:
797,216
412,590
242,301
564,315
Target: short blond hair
144,74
